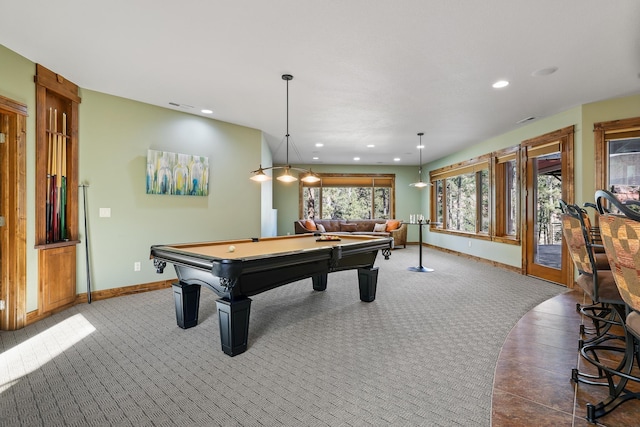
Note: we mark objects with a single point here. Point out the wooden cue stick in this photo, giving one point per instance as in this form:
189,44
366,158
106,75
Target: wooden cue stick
54,179
59,184
63,173
86,241
48,224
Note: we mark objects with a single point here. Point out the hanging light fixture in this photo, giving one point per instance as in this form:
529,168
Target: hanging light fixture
420,183
260,175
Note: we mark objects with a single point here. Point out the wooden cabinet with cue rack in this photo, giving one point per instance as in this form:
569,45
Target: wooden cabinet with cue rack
56,233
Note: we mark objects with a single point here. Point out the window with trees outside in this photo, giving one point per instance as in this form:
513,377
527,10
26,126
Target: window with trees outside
348,196
506,212
479,197
617,165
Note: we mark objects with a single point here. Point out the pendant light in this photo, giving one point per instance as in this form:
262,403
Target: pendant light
420,183
260,175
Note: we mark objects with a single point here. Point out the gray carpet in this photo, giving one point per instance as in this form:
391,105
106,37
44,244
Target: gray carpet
423,353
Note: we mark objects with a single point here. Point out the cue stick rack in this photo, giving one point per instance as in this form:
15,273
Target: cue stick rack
56,178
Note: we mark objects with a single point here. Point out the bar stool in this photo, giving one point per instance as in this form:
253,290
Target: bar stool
621,239
607,308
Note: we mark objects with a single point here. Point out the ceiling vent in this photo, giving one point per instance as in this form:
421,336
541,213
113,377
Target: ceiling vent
525,120
175,104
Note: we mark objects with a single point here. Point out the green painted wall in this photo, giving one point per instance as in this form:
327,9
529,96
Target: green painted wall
115,134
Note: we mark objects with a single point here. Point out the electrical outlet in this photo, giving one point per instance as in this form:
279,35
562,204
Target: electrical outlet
136,266
469,242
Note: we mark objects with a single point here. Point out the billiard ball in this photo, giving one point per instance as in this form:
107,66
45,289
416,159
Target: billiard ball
232,248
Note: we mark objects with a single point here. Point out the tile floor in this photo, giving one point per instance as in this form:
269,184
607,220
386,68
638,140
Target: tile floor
532,385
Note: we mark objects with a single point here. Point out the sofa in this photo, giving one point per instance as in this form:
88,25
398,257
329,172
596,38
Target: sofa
392,228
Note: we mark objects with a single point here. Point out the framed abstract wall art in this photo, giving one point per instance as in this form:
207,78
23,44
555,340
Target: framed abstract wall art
178,174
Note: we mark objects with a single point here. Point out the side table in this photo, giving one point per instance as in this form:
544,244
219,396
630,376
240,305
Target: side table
420,268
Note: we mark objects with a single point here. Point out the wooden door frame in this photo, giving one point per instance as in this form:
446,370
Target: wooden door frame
13,241
566,138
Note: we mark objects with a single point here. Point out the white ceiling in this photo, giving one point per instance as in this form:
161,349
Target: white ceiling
365,71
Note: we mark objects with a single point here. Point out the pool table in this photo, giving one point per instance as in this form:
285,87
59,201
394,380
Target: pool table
238,269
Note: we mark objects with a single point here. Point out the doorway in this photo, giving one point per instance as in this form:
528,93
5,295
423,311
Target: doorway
548,172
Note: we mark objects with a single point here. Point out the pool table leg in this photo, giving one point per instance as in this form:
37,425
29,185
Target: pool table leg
187,300
233,318
368,280
320,282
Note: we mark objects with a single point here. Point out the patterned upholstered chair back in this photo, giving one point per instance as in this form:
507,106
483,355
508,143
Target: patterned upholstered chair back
621,239
577,243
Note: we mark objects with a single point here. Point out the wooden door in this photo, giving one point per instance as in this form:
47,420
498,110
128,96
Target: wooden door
548,173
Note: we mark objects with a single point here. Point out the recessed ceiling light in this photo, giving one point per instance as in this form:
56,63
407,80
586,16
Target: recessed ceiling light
319,144
316,158
206,111
356,158
370,146
544,71
419,147
396,159
500,84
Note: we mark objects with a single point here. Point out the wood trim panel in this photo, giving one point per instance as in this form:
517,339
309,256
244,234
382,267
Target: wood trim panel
34,316
56,83
475,258
13,106
548,137
13,207
126,290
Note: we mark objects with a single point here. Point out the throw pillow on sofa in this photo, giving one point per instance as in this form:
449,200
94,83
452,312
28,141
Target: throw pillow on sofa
310,225
392,224
321,228
380,228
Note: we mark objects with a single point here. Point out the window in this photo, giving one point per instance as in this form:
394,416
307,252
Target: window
348,196
461,200
617,145
479,197
624,168
505,179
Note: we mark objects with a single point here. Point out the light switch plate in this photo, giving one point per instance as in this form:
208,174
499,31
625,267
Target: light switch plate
105,212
